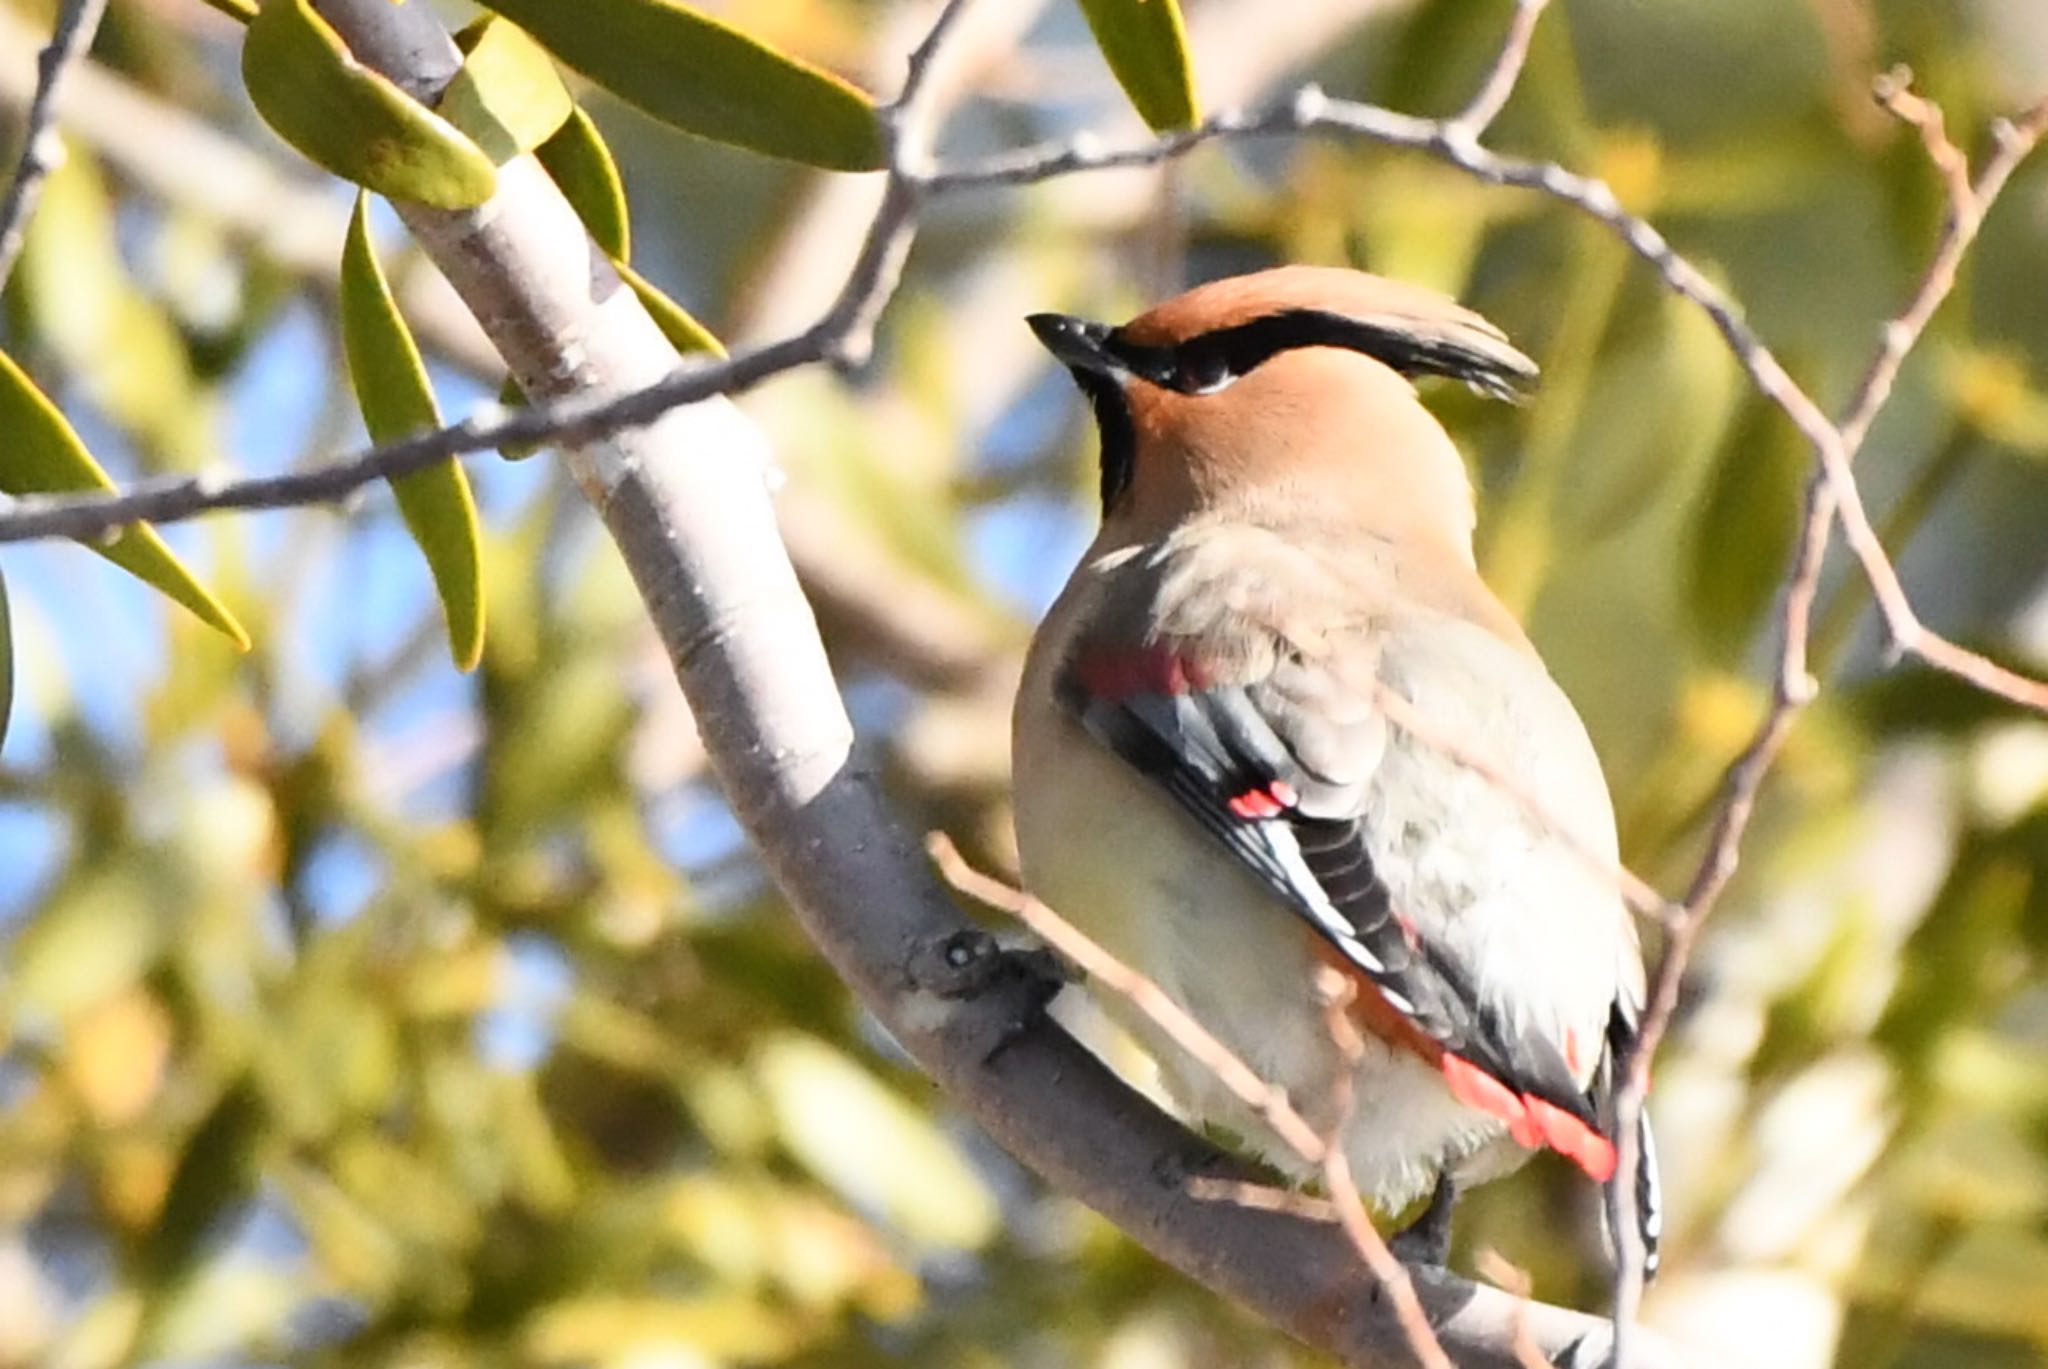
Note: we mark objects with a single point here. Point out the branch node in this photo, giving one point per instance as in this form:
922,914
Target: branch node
846,353
1086,146
1310,104
1887,86
1459,141
970,962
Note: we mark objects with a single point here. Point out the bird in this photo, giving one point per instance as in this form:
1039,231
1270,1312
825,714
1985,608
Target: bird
1276,723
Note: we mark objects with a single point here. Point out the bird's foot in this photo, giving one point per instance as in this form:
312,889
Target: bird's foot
1427,1239
973,964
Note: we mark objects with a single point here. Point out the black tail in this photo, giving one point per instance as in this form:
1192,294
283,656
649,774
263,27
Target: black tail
1649,1189
1649,1197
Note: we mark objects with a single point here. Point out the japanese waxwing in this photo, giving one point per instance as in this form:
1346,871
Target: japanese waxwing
1209,782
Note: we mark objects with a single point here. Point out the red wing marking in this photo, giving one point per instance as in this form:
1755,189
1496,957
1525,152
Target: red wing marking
1531,1121
1217,753
1568,1136
1119,674
1475,1088
1263,802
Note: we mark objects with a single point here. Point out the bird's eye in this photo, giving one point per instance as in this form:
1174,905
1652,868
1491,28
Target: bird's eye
1202,372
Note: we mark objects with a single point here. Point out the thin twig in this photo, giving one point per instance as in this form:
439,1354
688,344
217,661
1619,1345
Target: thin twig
696,530
579,418
1475,118
845,334
1270,1102
1894,91
1262,1198
41,149
1793,686
1336,993
913,102
1506,1274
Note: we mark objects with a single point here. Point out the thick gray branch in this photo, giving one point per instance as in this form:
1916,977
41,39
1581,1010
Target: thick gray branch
685,500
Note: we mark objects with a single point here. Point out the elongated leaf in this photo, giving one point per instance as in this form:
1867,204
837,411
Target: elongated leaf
684,333
215,1175
349,120
582,167
1744,530
690,70
40,454
109,336
240,10
392,388
510,396
1146,45
507,96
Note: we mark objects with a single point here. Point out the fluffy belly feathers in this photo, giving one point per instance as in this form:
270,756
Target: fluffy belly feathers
1244,966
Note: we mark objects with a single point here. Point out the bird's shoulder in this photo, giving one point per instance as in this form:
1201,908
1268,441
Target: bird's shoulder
1256,594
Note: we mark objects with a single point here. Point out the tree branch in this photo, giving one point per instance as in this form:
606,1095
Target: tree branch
844,336
1317,1151
1475,118
700,540
1793,685
41,150
697,532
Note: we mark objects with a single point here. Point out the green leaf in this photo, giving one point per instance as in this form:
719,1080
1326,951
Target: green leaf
109,337
397,400
1146,45
1747,520
860,1138
215,1175
510,396
100,932
582,167
684,333
690,70
241,11
40,454
353,122
507,96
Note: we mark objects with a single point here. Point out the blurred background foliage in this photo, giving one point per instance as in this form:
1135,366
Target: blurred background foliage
358,1011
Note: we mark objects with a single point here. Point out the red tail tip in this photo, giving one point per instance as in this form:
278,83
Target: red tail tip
1530,1120
1475,1088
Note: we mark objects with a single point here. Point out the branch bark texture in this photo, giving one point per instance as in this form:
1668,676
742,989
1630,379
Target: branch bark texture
686,500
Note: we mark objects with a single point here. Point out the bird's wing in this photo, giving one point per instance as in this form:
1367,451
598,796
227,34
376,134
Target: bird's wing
1271,754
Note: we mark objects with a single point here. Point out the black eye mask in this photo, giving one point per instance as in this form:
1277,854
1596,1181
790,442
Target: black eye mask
1211,361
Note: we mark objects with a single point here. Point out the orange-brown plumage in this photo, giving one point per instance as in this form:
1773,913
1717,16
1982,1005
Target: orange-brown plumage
1207,781
1356,294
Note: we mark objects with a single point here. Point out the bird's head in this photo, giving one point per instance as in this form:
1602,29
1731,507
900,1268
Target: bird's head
1286,390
